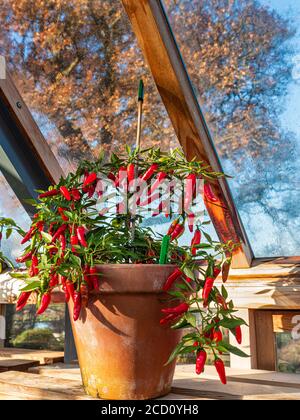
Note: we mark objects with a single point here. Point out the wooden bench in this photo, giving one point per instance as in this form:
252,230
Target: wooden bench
62,381
19,365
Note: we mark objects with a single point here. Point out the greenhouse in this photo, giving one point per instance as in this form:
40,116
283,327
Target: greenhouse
149,156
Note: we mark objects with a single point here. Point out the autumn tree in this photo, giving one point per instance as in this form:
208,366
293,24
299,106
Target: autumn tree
77,65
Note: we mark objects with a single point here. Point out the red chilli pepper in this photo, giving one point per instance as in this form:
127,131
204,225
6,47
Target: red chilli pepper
131,172
84,291
70,289
77,305
94,278
74,242
190,188
40,226
86,276
63,242
66,193
208,193
177,310
121,176
80,231
150,172
65,289
178,231
196,241
25,257
90,179
238,334
219,365
191,221
217,336
172,227
200,361
217,271
45,302
28,236
221,301
34,265
59,232
111,176
51,193
168,318
76,194
172,278
54,280
209,284
225,271
61,211
158,181
22,301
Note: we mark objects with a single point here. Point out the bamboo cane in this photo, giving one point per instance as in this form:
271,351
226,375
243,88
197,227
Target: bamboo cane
138,135
140,114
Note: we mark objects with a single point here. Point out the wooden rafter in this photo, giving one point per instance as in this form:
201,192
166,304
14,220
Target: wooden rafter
159,47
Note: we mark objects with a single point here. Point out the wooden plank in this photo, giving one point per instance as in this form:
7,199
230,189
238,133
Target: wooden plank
159,47
60,371
209,388
277,289
28,127
29,384
252,337
265,341
44,357
264,385
253,376
19,365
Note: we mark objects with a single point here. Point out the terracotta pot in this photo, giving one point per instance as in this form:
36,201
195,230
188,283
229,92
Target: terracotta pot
121,346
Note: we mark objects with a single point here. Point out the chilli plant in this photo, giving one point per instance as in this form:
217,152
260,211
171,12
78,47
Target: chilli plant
98,215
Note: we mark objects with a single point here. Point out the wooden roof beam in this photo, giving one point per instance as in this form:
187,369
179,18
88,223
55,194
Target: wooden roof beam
156,39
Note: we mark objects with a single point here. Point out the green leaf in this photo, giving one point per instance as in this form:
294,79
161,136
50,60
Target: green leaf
224,292
180,324
175,353
177,294
18,275
189,273
47,237
203,246
191,319
208,237
8,233
32,286
75,260
231,323
232,349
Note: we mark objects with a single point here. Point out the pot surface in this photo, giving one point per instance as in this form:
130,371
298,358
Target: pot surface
121,346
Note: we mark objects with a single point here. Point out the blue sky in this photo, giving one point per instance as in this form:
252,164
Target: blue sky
291,116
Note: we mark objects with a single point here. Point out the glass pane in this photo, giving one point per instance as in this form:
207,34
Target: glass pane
288,353
11,207
27,331
77,66
244,59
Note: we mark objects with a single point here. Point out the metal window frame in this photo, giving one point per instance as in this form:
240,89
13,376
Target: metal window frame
26,161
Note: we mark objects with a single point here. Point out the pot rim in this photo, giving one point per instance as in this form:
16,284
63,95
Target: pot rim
157,266
133,278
